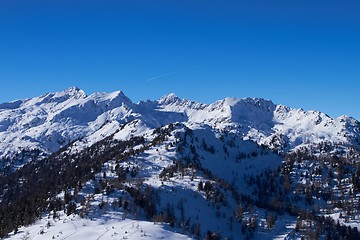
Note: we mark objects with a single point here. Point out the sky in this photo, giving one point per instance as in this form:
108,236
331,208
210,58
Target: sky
303,54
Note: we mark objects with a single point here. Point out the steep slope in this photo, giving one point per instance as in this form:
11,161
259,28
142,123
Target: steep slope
167,167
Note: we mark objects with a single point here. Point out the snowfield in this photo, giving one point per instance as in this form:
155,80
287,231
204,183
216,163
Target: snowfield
105,227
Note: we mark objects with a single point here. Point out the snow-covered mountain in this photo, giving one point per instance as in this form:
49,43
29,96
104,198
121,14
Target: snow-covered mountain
74,166
275,126
44,124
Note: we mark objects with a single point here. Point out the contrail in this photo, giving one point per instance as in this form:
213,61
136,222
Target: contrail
162,75
172,73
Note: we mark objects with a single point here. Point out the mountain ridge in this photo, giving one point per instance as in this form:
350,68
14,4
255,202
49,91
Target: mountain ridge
50,121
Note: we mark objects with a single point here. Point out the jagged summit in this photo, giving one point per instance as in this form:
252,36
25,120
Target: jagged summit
75,92
72,92
169,99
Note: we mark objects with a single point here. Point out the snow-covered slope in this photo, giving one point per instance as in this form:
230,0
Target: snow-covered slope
201,154
44,124
111,227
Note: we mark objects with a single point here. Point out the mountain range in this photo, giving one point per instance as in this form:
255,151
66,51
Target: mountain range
46,123
254,166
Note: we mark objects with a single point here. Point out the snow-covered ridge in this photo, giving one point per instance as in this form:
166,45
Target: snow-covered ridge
263,121
50,121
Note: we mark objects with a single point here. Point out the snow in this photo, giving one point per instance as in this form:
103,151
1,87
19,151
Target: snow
110,227
352,222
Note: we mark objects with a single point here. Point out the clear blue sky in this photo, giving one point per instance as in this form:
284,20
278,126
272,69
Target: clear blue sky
298,53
